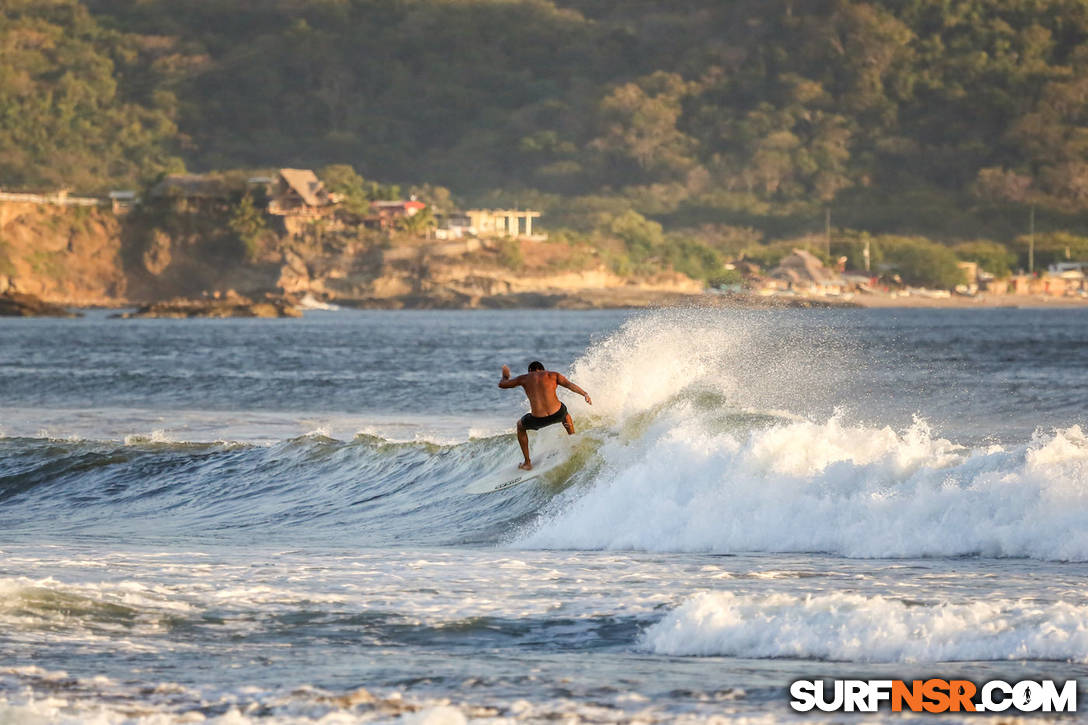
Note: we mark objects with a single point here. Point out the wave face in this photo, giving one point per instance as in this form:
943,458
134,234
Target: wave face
364,491
854,628
708,433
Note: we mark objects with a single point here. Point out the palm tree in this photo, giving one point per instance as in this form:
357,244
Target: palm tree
418,223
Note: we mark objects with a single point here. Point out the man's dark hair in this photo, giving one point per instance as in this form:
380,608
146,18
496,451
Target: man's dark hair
535,365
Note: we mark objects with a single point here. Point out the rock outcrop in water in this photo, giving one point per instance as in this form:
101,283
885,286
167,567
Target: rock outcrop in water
229,306
13,304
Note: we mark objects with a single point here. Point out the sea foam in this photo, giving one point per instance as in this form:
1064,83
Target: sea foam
851,627
684,470
827,487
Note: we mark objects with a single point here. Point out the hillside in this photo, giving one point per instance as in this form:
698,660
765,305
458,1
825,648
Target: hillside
679,134
740,111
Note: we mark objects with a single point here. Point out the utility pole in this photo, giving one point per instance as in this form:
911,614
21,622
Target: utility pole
1031,241
827,230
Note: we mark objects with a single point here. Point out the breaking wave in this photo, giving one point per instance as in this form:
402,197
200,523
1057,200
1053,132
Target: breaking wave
707,434
690,467
827,487
851,627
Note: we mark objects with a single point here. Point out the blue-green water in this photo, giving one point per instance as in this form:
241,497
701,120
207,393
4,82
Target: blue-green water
252,519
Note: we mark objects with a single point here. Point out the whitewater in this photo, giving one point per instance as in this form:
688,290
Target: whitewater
267,521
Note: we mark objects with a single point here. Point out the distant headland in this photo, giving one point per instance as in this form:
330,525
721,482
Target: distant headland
191,242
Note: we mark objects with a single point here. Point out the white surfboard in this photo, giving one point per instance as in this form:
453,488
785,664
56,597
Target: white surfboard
504,478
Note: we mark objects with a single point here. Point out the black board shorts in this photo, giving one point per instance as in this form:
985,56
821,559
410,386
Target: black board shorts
531,422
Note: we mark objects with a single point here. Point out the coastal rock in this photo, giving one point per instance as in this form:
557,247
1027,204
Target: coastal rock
14,304
68,256
229,306
294,276
156,258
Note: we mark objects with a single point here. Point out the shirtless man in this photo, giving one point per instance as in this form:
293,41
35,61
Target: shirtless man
545,407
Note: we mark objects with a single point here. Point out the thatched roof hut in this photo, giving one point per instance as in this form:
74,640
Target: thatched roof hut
299,191
804,269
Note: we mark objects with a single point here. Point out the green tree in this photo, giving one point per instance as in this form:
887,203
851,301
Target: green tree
248,224
1053,247
692,258
65,120
342,179
903,115
920,262
641,236
418,223
995,258
639,131
437,198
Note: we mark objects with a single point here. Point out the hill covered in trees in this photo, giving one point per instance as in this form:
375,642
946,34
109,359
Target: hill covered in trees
738,121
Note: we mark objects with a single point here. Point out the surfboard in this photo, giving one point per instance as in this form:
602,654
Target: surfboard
543,463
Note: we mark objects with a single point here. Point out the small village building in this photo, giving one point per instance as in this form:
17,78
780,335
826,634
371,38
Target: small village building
970,272
299,193
1060,269
398,207
1054,286
1068,282
1072,274
804,273
61,197
1020,284
504,223
122,201
192,193
453,226
859,280
385,213
971,278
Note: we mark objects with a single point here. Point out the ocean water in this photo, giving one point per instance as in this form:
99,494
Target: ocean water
266,521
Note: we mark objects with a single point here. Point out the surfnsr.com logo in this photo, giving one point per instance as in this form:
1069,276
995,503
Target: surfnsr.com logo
933,695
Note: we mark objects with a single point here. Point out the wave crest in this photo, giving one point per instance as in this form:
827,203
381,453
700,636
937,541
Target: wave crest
855,628
685,485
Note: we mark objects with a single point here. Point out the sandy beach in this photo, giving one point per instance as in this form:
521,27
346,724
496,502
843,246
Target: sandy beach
959,302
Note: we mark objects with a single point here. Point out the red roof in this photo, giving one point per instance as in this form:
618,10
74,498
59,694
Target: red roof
406,205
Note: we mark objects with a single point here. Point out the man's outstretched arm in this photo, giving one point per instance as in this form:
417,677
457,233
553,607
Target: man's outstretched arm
506,382
571,386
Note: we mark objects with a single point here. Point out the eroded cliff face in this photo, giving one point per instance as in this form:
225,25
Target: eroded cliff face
479,282
69,256
162,261
471,273
88,256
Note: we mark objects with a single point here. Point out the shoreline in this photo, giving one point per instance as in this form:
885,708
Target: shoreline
981,302
641,299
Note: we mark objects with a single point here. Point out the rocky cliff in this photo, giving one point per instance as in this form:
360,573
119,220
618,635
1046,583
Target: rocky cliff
88,256
69,256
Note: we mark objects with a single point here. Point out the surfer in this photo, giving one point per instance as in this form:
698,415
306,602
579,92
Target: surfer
545,407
